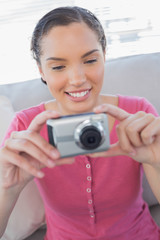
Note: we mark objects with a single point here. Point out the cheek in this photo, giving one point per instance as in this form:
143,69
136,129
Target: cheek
98,76
55,83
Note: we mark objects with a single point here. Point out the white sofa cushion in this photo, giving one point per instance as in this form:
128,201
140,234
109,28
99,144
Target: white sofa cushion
7,112
27,215
26,94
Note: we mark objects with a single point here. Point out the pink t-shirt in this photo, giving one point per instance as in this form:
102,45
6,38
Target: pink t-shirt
95,198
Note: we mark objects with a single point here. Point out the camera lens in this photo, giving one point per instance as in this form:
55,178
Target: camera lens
90,137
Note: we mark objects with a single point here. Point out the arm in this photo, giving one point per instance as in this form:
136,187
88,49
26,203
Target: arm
22,158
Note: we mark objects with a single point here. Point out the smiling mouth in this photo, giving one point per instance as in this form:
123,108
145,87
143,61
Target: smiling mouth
78,94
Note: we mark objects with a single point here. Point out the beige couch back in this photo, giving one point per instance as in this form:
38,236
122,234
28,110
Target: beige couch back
135,75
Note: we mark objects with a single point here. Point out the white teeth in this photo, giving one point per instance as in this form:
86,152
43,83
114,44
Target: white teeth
81,94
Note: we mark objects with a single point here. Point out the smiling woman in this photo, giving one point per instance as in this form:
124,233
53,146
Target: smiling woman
80,194
66,72
70,74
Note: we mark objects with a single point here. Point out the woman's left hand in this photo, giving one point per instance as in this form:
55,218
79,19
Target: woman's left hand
138,135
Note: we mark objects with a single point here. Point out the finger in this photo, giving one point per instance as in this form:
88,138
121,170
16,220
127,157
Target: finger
149,134
40,120
112,110
135,128
25,146
128,136
129,130
121,115
125,140
39,141
22,163
63,161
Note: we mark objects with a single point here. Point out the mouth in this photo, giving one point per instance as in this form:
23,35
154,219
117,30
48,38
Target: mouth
79,95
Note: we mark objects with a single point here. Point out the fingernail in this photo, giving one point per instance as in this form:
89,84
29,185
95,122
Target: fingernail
100,107
132,153
40,174
50,163
55,154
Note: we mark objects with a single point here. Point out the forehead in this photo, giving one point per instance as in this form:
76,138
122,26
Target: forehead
61,39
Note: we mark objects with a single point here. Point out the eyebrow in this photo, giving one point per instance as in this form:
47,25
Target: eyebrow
89,53
63,59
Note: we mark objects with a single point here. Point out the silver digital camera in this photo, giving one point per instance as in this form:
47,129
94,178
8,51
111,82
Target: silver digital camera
79,134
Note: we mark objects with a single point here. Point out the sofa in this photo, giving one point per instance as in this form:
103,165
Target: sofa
133,75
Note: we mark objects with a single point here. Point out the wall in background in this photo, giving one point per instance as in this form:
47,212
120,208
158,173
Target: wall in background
131,26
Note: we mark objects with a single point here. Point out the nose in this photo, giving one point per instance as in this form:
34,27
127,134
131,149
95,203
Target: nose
77,76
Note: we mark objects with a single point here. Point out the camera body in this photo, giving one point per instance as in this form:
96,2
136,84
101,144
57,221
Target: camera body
79,134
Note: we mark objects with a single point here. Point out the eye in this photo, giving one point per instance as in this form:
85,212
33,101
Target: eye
91,61
58,68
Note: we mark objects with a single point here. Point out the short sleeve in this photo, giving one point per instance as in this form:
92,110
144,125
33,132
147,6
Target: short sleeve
22,120
133,104
148,107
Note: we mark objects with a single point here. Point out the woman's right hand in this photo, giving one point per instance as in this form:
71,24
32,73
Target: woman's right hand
25,153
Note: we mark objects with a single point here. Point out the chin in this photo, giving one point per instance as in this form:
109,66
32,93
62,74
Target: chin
82,109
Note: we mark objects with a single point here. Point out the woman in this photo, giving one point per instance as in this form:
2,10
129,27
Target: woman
97,196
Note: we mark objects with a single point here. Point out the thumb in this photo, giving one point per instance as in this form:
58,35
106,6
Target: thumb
38,122
115,150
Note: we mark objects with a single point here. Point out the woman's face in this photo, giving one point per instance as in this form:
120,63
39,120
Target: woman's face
72,64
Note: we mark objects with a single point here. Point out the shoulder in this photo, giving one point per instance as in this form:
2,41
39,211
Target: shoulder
22,120
24,117
133,104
